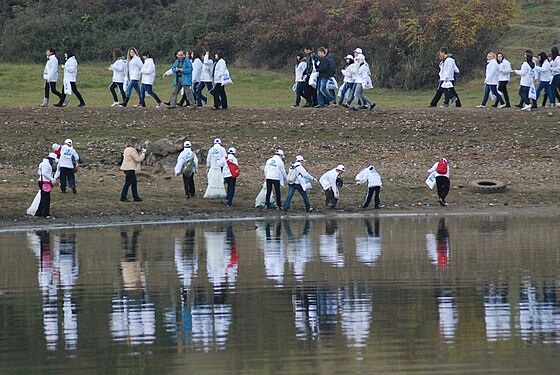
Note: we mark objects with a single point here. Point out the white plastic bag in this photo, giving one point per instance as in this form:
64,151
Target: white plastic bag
215,187
32,210
313,79
294,87
67,88
260,200
431,180
332,84
226,79
446,85
368,85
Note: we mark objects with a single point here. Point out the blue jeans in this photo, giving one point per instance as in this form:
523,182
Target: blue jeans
323,95
347,86
133,84
148,89
494,89
291,189
198,92
524,94
548,89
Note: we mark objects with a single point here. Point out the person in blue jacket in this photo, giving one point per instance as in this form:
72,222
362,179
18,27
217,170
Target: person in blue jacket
182,69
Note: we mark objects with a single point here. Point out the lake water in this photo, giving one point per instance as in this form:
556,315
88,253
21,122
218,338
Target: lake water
455,294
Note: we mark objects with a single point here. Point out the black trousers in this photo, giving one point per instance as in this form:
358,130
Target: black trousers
188,184
45,203
75,92
220,97
51,86
311,94
449,94
502,87
371,191
443,184
130,181
112,88
269,184
330,199
231,182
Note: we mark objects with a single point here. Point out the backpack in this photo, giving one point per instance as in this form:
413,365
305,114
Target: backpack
441,167
292,175
188,167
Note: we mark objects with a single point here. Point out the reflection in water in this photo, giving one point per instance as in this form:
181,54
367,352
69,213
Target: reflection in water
448,315
356,311
438,246
368,249
496,313
329,246
274,252
133,317
300,250
57,269
538,319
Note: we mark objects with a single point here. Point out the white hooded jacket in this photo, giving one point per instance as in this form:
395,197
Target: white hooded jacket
328,180
492,72
207,67
51,69
134,67
275,169
196,70
118,67
505,71
71,69
185,155
303,178
370,176
216,151
148,72
232,159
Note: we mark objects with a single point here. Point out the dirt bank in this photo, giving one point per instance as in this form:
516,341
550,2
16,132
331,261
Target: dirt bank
520,149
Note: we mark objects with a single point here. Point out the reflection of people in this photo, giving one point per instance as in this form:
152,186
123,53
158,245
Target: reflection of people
438,245
300,250
328,245
368,249
448,315
496,313
274,256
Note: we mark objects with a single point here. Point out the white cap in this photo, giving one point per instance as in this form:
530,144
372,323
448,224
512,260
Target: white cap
280,152
217,141
360,57
358,50
349,57
53,156
187,144
68,142
300,158
340,168
55,147
231,150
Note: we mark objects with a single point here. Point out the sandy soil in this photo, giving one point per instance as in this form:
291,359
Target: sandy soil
520,149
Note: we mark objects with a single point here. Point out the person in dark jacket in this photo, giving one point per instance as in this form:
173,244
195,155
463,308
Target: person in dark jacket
310,92
323,66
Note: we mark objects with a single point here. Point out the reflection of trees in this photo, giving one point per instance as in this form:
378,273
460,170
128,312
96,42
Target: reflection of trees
368,249
329,245
57,269
133,315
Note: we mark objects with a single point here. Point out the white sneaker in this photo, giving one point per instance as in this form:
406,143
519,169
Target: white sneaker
66,101
502,105
480,106
115,104
558,104
526,107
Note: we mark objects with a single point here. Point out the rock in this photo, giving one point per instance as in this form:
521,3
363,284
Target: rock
100,180
160,169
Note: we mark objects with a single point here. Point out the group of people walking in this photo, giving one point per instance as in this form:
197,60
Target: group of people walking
316,83
191,75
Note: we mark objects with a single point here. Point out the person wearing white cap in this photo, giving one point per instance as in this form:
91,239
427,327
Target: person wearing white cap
275,175
187,165
215,162
370,176
331,182
441,171
363,78
230,172
358,51
349,73
45,181
298,179
67,165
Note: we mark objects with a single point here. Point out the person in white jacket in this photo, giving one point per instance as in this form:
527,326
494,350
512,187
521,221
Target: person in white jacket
196,75
148,77
133,67
441,172
300,79
67,165
503,78
215,163
370,176
219,92
349,73
527,73
216,150
70,78
118,67
491,81
230,179
555,69
189,157
45,181
50,75
363,77
205,79
275,175
544,75
331,183
302,182
446,85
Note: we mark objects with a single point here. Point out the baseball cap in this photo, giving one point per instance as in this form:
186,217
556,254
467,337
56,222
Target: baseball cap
218,141
231,150
349,57
300,158
358,50
280,152
68,142
341,168
187,144
52,155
